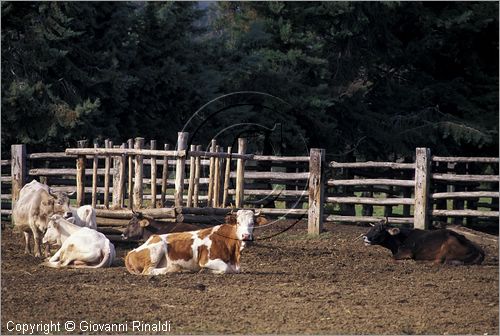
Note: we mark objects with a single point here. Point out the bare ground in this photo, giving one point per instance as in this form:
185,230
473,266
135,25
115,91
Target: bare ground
289,284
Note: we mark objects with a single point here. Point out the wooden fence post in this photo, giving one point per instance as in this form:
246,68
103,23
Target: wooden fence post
192,169
422,183
164,177
95,163
182,138
216,190
130,176
80,175
18,170
107,167
138,192
316,191
119,179
211,175
197,172
240,173
227,173
153,175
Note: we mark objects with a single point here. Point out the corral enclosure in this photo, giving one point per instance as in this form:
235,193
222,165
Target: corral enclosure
200,184
327,282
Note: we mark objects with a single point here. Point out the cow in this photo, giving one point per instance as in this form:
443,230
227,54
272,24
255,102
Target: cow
36,203
217,249
81,247
142,227
439,246
84,216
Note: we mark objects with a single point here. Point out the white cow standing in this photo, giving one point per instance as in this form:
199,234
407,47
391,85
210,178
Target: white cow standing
32,210
81,247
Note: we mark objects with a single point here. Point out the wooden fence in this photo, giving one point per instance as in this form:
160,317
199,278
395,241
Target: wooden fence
192,185
423,189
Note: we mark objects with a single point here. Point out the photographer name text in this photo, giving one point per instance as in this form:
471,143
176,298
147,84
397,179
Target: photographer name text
87,327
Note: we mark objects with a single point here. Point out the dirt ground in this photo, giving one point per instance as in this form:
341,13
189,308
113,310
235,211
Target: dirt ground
289,284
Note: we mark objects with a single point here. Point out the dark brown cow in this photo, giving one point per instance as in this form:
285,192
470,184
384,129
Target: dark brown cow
141,227
440,246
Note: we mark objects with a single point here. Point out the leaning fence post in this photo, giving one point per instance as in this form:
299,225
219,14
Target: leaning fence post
153,175
18,170
192,169
316,191
240,173
211,175
95,163
107,166
80,175
422,183
182,138
139,143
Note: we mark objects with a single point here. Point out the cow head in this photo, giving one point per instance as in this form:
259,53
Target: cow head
52,235
380,234
245,221
61,203
136,225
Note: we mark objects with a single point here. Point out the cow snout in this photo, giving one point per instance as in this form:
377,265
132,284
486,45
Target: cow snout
67,214
366,240
246,236
124,236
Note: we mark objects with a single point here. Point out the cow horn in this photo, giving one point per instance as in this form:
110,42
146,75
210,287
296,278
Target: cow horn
258,213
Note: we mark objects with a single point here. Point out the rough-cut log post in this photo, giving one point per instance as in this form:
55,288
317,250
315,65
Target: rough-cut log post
164,176
240,173
182,138
197,171
123,177
189,202
19,170
226,178
216,195
107,164
138,185
422,183
316,191
211,174
95,164
130,176
80,175
118,179
153,176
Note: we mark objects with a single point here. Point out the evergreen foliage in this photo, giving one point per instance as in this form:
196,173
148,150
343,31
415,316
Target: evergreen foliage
366,79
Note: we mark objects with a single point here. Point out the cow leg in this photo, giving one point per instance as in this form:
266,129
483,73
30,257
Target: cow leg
27,246
47,250
218,266
38,243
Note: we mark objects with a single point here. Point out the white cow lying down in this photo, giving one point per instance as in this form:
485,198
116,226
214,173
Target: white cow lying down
84,216
80,247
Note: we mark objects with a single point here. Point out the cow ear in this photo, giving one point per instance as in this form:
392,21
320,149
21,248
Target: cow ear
261,220
143,223
231,219
393,231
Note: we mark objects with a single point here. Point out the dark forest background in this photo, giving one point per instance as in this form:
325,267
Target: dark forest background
371,80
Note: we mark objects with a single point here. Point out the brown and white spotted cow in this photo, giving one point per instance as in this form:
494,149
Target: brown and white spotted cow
217,249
